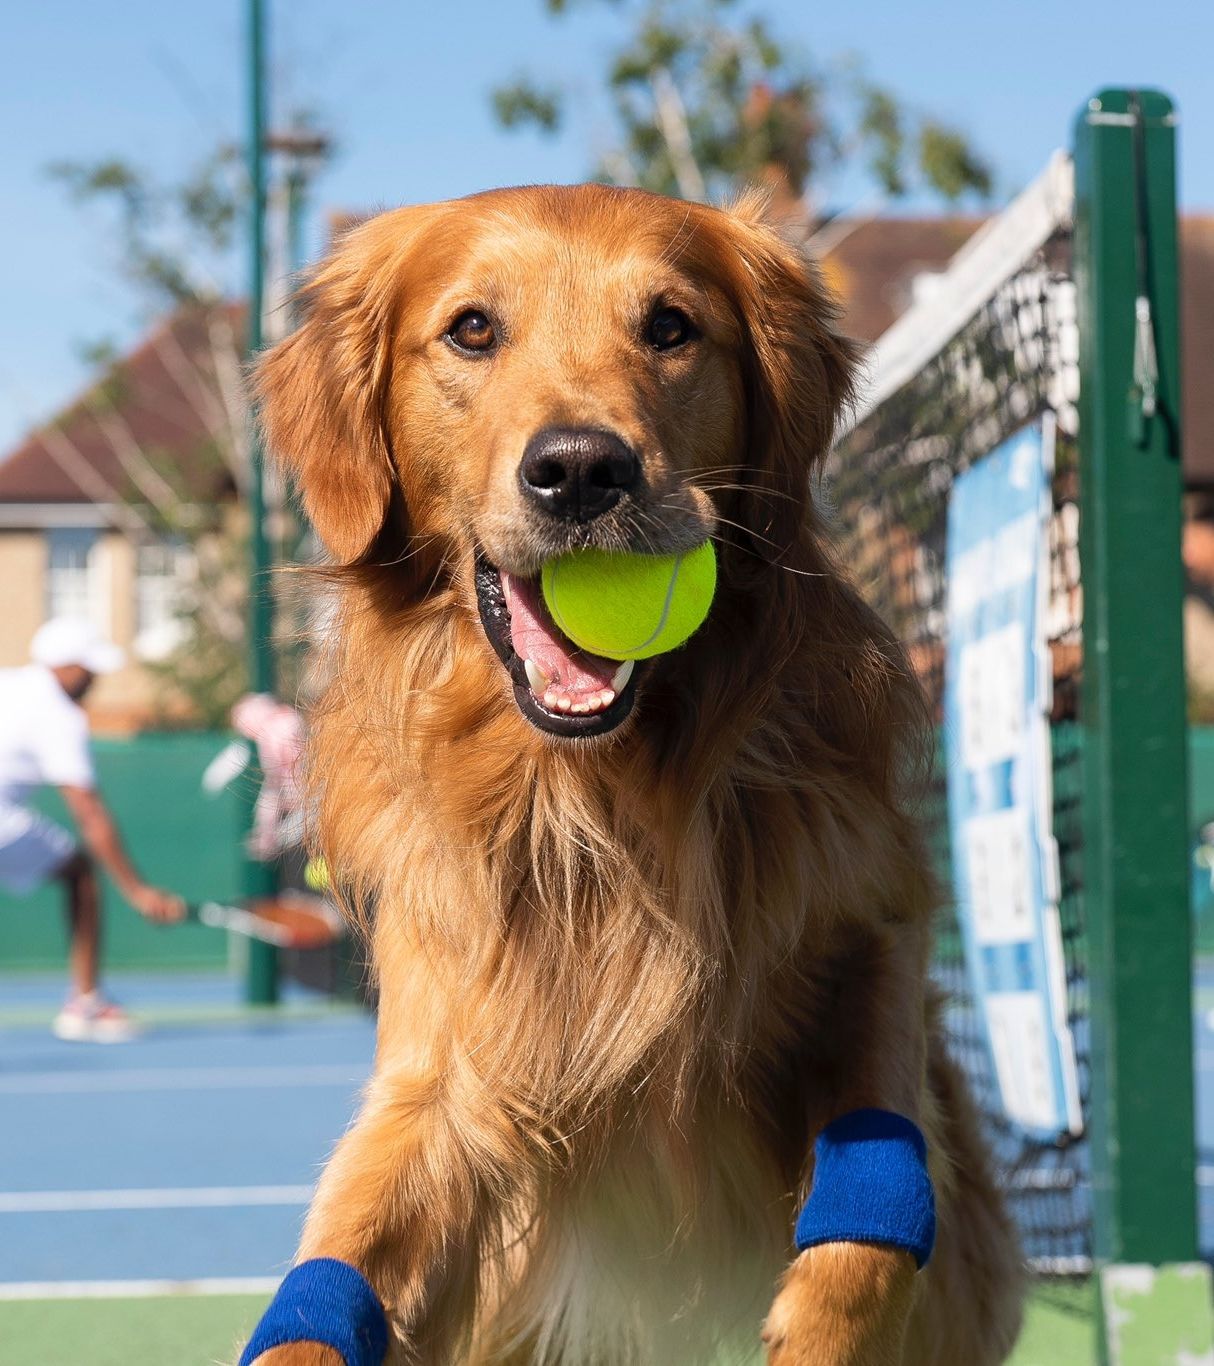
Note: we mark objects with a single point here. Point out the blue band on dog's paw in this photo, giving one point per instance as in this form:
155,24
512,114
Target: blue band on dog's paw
870,1186
324,1301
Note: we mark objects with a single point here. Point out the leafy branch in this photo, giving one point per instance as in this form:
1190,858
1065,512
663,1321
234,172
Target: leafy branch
705,98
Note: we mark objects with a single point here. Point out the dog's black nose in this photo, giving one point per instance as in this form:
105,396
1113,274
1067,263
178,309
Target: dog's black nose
577,474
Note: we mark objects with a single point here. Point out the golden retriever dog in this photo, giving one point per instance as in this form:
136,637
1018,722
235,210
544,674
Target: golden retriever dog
639,932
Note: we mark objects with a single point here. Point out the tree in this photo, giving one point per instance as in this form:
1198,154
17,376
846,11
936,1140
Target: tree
706,98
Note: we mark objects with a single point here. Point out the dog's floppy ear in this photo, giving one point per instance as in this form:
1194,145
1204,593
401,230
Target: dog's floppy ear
800,370
323,391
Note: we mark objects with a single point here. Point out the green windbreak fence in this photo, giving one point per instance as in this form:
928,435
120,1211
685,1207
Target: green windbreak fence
179,838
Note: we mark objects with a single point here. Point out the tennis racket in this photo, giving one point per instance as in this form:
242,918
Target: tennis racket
290,920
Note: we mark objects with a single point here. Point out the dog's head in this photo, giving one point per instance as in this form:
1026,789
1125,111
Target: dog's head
479,386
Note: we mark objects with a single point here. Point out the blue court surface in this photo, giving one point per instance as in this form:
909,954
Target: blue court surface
187,1155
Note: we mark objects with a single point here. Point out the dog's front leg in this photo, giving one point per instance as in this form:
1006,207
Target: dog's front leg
301,1354
842,1304
869,1222
404,1202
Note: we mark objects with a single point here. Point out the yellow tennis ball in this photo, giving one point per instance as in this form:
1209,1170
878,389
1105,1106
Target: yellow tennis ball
316,875
626,606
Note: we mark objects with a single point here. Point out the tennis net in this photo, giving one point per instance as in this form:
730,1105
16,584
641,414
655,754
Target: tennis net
991,350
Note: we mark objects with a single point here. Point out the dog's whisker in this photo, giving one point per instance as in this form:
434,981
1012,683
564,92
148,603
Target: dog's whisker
774,563
753,489
408,554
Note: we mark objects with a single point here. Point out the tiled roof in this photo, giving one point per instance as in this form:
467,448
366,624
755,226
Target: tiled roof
874,263
1197,345
164,397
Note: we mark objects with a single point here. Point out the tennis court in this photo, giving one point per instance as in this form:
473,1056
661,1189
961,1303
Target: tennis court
152,1193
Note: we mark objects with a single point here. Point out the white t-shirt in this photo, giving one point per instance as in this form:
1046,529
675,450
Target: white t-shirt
44,741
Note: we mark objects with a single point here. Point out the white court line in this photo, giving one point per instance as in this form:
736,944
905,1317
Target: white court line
182,1079
184,1197
109,1290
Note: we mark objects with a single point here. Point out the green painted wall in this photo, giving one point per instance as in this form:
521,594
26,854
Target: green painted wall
1201,773
178,837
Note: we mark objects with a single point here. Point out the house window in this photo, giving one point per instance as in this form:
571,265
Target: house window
162,569
75,575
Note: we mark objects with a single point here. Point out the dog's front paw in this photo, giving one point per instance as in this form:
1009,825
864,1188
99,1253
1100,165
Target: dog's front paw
300,1354
842,1304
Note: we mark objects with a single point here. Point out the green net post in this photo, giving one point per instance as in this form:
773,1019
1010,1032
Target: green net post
1154,1295
261,983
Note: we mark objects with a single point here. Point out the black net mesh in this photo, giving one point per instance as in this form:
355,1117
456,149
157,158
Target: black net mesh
888,483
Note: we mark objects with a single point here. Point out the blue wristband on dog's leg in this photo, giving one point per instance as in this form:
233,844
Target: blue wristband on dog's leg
871,1185
324,1301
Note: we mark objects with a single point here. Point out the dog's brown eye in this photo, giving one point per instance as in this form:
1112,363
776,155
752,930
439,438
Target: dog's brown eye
472,331
669,327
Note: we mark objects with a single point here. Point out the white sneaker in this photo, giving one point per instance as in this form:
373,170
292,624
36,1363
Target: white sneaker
93,1019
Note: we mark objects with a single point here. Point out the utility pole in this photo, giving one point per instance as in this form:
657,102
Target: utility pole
261,986
304,151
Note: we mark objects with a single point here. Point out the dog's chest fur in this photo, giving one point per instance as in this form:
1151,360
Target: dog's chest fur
647,1264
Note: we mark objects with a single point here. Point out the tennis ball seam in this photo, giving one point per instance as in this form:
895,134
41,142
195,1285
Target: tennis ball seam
665,613
663,617
554,608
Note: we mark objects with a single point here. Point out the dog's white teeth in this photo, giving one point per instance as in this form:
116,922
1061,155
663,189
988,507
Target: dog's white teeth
606,698
535,676
620,679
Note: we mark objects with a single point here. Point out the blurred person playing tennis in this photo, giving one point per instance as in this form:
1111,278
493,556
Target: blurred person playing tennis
44,742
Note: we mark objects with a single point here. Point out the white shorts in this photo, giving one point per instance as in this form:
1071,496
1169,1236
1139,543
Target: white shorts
34,853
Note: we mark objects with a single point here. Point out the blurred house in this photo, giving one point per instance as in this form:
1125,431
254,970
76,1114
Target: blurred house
96,506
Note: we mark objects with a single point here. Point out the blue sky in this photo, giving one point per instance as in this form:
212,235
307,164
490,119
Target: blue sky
404,83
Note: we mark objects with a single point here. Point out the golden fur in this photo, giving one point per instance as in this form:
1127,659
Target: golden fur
624,981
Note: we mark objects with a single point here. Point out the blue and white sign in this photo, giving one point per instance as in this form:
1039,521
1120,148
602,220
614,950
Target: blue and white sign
997,698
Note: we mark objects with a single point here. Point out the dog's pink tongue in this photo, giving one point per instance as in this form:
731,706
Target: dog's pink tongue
569,672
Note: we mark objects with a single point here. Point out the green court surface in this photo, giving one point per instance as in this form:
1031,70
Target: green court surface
1059,1327
205,1330
164,1330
